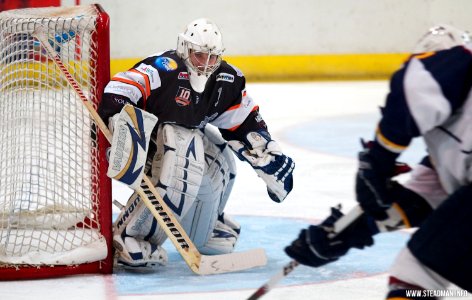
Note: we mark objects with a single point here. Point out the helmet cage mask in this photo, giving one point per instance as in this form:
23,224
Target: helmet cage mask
208,59
201,48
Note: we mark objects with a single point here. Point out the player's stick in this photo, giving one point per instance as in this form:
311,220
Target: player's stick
198,263
339,226
269,285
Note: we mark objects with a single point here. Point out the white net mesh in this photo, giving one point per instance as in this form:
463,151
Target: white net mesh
49,191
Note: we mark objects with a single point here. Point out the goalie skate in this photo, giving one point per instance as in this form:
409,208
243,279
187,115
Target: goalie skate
224,236
134,253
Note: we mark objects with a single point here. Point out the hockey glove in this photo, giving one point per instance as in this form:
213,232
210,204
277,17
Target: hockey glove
315,248
376,167
267,159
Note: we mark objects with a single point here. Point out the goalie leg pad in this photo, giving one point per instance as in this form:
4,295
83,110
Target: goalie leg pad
136,236
178,166
176,170
211,235
214,137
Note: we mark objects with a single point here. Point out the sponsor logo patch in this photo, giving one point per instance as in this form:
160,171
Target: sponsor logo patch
207,120
225,77
183,96
183,76
166,64
147,70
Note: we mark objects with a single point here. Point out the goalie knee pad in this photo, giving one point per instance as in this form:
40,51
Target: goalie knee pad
137,221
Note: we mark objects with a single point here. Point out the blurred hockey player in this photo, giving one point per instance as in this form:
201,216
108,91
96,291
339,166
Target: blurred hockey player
204,116
429,97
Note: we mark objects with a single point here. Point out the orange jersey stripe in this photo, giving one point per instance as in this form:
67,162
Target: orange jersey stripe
133,83
237,126
234,107
146,79
424,55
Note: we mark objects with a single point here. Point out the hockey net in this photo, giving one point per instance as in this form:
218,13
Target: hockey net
55,198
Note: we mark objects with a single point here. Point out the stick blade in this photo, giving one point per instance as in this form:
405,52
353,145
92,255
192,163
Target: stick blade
232,262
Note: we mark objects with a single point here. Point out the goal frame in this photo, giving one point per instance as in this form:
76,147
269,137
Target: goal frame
105,266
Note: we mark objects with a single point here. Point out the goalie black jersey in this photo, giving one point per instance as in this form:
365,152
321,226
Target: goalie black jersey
160,85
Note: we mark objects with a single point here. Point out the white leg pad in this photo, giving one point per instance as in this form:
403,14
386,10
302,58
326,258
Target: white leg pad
136,238
178,166
194,173
176,170
210,235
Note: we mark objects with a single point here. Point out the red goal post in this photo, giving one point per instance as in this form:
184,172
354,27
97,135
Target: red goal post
55,197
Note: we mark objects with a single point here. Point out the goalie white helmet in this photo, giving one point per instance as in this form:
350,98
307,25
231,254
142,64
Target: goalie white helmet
201,47
441,37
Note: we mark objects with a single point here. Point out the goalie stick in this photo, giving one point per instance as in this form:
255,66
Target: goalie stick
198,263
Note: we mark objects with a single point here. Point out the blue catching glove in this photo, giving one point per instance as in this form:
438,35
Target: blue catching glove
267,159
373,180
315,248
